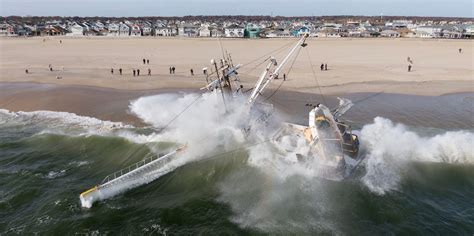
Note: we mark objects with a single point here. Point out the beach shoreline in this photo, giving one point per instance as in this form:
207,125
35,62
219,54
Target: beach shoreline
113,104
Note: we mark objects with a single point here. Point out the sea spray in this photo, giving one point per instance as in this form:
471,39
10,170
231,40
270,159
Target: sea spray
391,147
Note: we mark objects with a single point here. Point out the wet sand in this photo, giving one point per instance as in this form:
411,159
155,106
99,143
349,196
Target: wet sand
451,111
354,65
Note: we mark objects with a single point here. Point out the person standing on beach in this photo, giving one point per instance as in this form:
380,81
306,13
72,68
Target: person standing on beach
148,61
322,67
284,77
134,73
192,72
112,71
26,71
460,50
409,67
138,72
325,66
174,69
149,71
171,70
120,71
144,61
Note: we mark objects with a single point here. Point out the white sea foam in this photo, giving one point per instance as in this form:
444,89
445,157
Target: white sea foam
60,122
390,147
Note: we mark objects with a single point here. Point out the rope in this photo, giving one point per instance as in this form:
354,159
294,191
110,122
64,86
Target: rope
288,73
315,78
265,55
235,150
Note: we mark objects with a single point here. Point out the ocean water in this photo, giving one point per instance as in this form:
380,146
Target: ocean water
417,178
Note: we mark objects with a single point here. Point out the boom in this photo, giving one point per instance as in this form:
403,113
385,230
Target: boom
268,75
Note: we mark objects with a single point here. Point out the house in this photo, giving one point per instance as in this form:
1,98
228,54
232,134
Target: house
75,30
23,31
252,31
51,30
278,33
390,34
423,34
135,30
124,30
433,31
299,31
234,31
165,31
7,30
147,30
469,32
204,31
328,33
113,30
217,33
188,30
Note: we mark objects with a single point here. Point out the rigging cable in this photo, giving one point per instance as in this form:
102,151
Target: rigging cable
315,78
288,73
180,113
263,56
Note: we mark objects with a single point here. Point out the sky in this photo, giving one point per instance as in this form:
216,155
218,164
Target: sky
126,8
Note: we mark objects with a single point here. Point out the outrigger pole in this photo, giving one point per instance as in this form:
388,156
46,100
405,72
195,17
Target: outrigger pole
264,80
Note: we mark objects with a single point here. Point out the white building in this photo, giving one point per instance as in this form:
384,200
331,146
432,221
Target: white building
234,31
390,34
124,30
76,30
204,31
147,30
113,30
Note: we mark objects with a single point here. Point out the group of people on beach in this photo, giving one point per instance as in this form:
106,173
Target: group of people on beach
172,70
136,72
323,66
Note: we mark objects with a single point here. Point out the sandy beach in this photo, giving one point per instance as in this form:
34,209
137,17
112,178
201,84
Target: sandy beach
354,65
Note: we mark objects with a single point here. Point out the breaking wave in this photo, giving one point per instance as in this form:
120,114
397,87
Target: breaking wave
391,147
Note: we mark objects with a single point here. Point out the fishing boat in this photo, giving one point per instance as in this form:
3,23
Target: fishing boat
330,142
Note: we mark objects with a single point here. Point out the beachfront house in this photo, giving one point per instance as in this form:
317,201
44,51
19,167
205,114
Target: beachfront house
147,30
135,30
423,34
23,30
204,31
299,31
278,33
52,30
217,33
428,31
328,33
468,32
234,31
124,30
165,31
113,30
252,31
7,30
390,34
75,30
188,30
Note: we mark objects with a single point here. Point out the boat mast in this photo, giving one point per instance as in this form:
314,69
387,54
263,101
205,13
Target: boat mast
264,80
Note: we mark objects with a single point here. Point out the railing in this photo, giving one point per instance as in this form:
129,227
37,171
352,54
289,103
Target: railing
135,166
